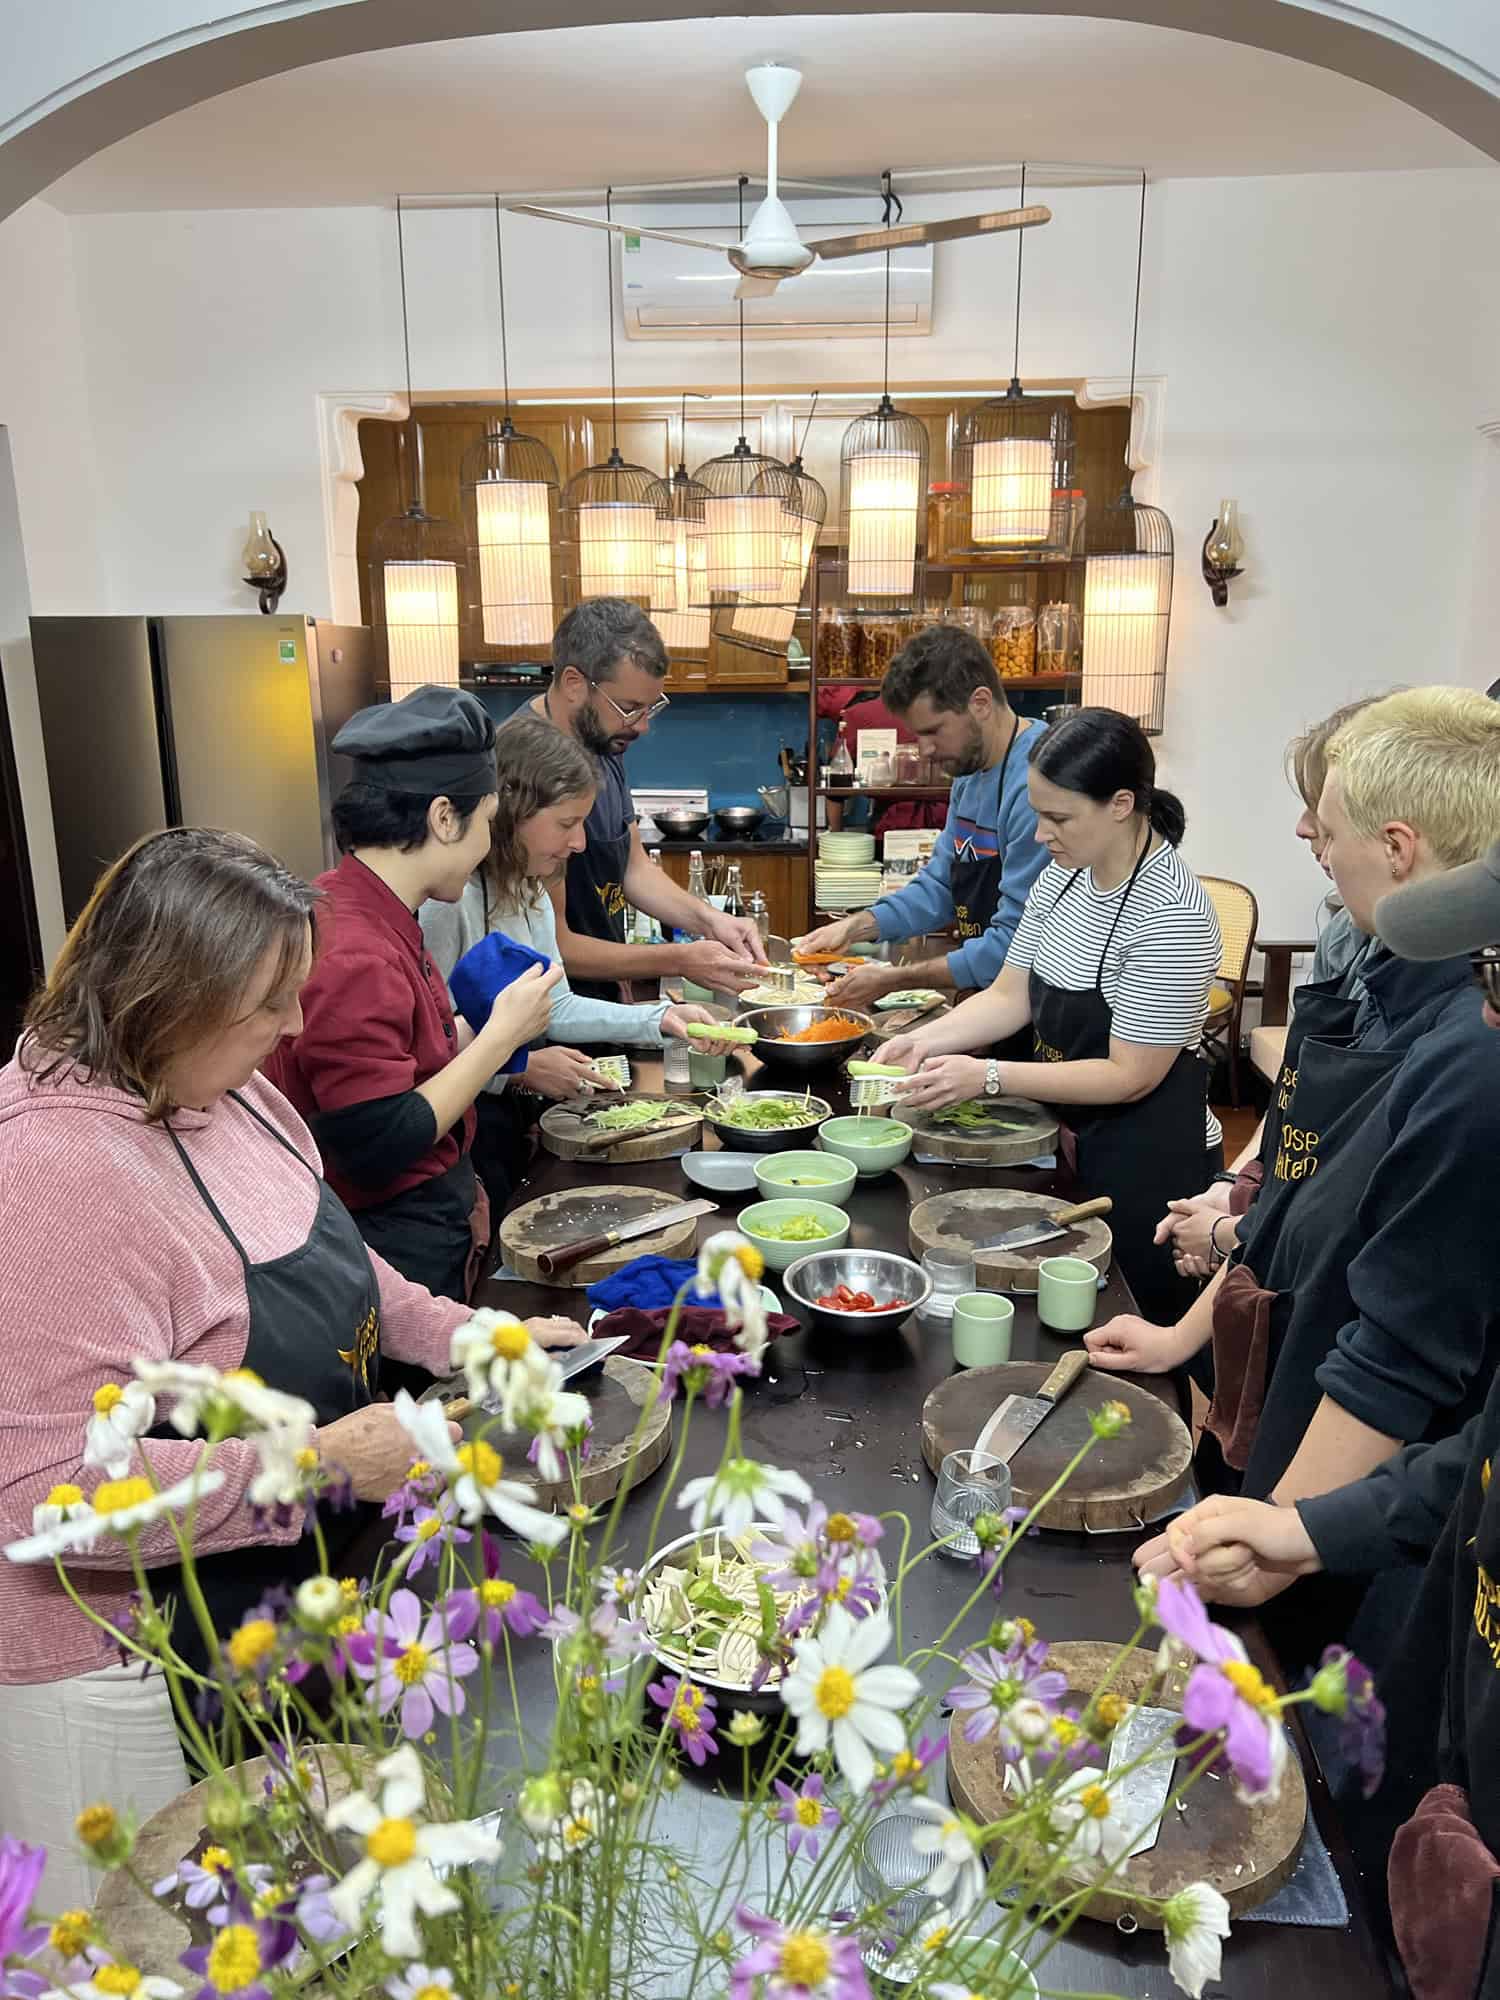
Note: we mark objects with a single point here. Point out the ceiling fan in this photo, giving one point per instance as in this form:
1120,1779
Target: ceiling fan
771,248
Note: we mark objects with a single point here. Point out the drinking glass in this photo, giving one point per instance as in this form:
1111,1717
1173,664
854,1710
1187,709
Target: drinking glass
891,1874
969,1484
952,1274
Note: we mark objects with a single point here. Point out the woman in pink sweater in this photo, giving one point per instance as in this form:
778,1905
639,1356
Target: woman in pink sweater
160,1198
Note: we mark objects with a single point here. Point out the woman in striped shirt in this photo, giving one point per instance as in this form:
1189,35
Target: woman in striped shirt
1111,966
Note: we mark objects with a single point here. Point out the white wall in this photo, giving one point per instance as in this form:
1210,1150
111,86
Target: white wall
1327,348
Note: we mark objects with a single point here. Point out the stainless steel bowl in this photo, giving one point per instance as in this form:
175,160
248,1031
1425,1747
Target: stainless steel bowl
881,1273
679,824
781,1138
768,1023
739,821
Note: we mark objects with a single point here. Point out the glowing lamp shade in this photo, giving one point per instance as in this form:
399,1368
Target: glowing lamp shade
514,545
683,631
680,582
421,625
1127,601
884,477
744,544
616,550
771,625
1010,499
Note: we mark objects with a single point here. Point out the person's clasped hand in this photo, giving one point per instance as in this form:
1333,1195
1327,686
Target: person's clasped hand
521,1009
1135,1347
1234,1551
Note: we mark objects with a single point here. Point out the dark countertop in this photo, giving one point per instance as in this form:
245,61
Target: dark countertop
847,1415
730,846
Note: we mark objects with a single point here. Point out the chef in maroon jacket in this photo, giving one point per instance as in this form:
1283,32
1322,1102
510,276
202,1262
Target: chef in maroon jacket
381,1071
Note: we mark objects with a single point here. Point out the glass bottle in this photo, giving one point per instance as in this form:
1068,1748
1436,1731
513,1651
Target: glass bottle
759,913
841,764
734,892
697,882
1224,544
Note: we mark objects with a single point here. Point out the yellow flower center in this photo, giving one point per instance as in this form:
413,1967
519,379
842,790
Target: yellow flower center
749,1260
250,1644
115,1495
234,1958
904,1765
510,1342
810,1812
481,1461
1248,1684
108,1397
392,1844
691,1697
805,1959
427,1529
577,1830
121,1979
1064,1731
95,1824
685,1717
835,1692
839,1528
307,1459
70,1933
1095,1801
495,1593
349,1585
246,1377
588,1683
65,1496
578,1514
351,1622
1111,1710
216,1860
418,1469
936,1938
433,1993
411,1664
701,1350
842,1589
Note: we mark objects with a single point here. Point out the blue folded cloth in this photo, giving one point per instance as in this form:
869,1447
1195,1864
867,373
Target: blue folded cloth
486,969
647,1282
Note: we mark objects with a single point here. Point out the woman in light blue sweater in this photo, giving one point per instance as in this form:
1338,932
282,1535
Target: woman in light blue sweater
546,787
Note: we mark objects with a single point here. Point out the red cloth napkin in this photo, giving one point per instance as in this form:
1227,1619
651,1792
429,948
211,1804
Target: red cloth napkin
696,1326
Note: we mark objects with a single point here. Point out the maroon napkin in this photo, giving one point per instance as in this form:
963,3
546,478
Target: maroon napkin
696,1326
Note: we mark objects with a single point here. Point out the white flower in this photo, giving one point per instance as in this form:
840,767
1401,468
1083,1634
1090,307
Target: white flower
419,1979
834,1690
1080,1815
204,1393
287,1455
320,1599
145,1986
743,1491
730,1265
121,1415
475,1474
400,1849
554,1415
487,1347
63,1503
1195,1920
561,1827
119,1506
959,1870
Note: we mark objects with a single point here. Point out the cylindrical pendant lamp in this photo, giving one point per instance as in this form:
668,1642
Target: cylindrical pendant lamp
884,489
414,601
509,484
1127,614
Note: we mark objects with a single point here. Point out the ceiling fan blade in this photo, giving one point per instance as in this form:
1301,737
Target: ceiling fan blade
756,288
619,228
909,233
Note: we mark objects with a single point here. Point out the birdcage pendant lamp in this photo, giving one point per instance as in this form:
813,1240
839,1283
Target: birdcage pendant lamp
1127,612
680,597
747,495
769,626
883,480
1013,454
510,491
609,526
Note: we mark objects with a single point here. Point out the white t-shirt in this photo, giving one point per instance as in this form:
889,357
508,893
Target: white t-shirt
1158,967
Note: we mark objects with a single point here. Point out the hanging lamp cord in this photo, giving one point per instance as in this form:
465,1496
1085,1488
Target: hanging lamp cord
500,276
812,412
885,359
1015,366
405,344
741,305
1135,331
609,300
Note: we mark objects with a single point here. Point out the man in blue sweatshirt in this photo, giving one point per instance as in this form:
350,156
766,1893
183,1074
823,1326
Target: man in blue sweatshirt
944,687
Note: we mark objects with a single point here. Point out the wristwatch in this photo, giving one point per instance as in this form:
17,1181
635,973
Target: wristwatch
992,1078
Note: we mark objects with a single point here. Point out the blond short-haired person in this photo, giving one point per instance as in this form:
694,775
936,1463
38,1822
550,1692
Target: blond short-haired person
1362,1310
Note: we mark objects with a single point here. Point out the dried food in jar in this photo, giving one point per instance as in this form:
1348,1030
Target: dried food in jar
833,645
1013,642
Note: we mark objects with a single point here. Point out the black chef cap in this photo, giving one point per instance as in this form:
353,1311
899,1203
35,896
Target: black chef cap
435,742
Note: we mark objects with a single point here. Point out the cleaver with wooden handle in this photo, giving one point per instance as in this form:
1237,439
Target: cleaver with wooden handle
551,1263
1027,1233
1018,1416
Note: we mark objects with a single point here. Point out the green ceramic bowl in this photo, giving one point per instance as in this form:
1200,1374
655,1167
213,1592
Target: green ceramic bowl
780,1252
818,1175
871,1145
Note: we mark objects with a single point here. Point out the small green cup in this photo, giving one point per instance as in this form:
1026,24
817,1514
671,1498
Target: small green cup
706,1072
1067,1291
982,1325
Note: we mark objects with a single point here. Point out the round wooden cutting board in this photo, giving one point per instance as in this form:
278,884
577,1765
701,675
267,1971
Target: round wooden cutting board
1246,1852
1124,1481
962,1220
1018,1130
555,1219
564,1131
617,1394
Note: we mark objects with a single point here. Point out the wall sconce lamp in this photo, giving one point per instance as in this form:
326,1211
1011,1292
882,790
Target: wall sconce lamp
1222,549
265,564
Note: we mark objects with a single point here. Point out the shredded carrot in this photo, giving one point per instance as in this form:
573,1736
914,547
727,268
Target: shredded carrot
830,1028
817,957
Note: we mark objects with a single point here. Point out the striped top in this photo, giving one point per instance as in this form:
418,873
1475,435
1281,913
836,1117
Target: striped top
1158,967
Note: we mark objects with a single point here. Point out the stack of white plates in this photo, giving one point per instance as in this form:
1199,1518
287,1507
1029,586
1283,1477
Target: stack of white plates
837,887
846,850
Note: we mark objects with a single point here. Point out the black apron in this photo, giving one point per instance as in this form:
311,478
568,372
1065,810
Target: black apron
594,896
975,882
1141,1155
1324,1012
435,1234
314,1333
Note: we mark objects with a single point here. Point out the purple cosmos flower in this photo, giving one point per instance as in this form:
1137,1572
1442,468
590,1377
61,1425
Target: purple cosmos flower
807,1813
1225,1695
430,1528
422,1673
690,1711
20,1872
707,1373
798,1964
207,1884
496,1602
420,1488
247,1947
623,1639
907,1767
1344,1687
1013,1690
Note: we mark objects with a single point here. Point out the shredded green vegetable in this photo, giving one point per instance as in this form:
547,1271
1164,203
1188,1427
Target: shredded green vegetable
626,1117
794,1229
711,1613
767,1114
976,1115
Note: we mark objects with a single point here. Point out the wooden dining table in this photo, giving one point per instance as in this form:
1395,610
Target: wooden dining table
845,1412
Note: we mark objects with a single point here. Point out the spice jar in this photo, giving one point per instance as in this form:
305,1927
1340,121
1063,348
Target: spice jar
833,645
947,520
1057,641
1013,642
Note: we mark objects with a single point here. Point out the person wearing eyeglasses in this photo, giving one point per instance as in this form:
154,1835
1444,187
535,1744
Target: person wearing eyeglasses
608,663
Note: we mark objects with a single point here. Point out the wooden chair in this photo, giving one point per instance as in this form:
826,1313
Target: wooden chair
1235,907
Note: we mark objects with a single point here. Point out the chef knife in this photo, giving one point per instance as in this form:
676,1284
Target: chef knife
1147,1741
1018,1416
1026,1233
551,1262
602,1142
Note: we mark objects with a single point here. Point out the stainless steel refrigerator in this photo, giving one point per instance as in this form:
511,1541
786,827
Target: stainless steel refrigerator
153,722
